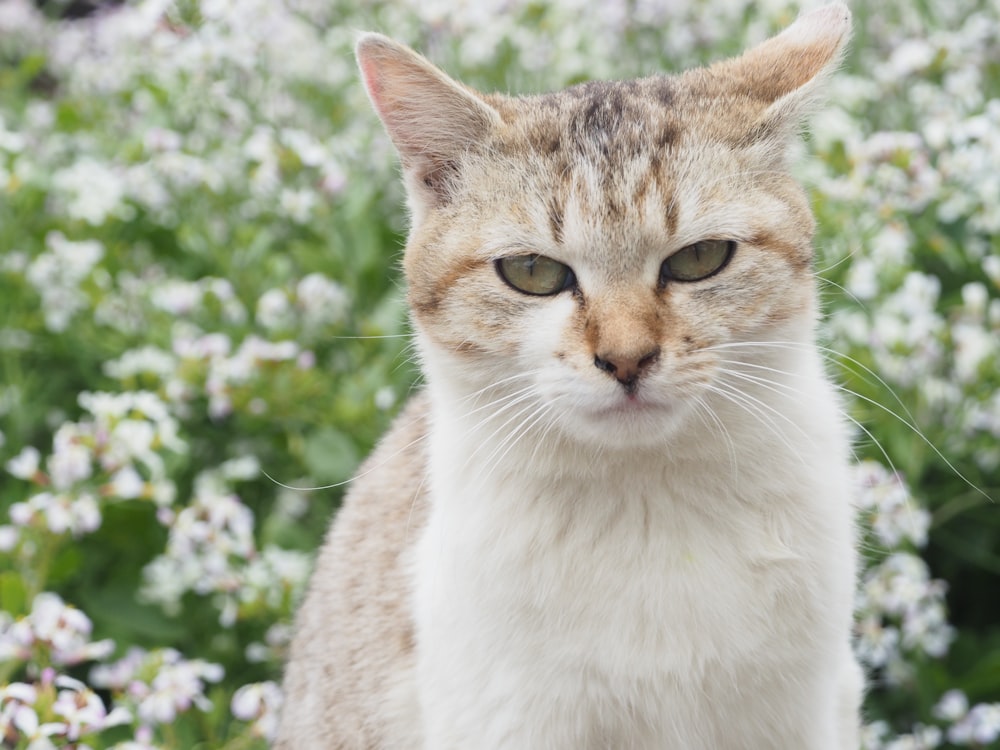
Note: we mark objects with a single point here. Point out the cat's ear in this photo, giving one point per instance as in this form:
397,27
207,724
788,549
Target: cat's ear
432,120
786,72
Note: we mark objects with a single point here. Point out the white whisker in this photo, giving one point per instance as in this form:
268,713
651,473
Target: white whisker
703,408
759,409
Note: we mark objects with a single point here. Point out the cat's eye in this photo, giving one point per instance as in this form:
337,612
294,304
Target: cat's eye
698,261
535,274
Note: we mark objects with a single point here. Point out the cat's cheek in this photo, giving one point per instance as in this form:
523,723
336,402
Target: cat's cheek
475,320
541,331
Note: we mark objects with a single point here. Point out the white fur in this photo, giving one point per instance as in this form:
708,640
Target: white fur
693,595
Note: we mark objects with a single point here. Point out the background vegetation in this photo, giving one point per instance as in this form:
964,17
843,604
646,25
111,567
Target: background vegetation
200,225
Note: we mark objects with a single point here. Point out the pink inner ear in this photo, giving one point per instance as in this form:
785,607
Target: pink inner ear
369,73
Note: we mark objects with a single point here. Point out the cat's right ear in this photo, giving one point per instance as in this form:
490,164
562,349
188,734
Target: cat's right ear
432,120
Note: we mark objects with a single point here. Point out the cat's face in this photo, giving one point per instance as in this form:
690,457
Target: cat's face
592,259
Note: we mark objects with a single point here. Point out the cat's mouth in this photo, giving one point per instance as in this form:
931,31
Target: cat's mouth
630,420
633,403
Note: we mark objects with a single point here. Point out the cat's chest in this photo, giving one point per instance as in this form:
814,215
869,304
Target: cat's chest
629,570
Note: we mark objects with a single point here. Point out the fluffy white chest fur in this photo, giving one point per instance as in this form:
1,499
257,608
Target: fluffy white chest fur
695,597
618,515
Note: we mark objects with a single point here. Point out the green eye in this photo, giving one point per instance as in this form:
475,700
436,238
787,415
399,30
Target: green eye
535,274
698,261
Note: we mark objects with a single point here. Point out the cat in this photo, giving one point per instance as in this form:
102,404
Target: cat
618,513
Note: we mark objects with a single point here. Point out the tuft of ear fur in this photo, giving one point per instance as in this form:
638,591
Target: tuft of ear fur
792,62
432,120
785,73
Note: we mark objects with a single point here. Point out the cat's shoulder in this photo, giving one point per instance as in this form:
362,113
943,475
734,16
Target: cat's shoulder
389,487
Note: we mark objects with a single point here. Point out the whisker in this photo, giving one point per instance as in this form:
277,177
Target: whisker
702,408
374,468
526,396
909,422
843,289
847,257
513,437
916,431
363,338
829,355
761,403
388,459
757,409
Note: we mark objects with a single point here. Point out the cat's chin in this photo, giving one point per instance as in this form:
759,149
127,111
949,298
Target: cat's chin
629,422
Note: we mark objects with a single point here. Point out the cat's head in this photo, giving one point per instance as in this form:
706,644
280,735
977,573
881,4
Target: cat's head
594,253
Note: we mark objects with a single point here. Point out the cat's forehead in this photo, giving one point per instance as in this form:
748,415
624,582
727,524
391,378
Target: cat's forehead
619,120
599,119
625,164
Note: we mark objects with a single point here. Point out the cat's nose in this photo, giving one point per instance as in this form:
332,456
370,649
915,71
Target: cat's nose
626,368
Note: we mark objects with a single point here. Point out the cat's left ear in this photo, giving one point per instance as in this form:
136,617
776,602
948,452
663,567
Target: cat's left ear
432,120
786,72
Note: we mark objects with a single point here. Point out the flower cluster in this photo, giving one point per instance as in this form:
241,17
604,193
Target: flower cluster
53,633
159,685
114,453
211,550
72,710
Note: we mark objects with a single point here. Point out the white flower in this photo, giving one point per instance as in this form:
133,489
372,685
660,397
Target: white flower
9,536
57,273
208,346
21,692
975,297
877,644
71,457
260,146
131,439
321,300
899,590
952,706
65,630
979,727
892,513
162,139
909,57
210,542
60,512
973,345
177,297
385,398
872,735
178,685
127,484
119,674
298,204
24,719
922,738
84,711
274,311
147,359
25,464
94,190
991,267
310,151
243,468
86,514
260,703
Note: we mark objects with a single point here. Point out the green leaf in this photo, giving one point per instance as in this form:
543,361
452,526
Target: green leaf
330,455
13,594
